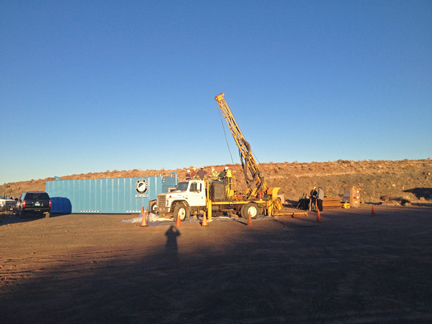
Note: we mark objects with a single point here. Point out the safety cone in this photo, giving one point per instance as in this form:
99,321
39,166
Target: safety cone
204,221
373,211
178,222
250,220
319,217
144,218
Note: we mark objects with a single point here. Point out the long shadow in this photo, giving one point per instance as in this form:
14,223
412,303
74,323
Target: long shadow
269,274
425,193
309,220
171,244
14,219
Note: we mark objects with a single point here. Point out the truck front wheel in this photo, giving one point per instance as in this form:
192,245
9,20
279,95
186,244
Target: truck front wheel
180,210
153,207
249,208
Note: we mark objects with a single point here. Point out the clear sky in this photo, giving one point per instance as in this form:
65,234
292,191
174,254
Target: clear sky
91,86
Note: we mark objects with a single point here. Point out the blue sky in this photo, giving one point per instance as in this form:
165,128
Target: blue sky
91,86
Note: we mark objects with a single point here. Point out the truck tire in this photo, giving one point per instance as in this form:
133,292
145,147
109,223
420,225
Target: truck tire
252,208
180,210
152,208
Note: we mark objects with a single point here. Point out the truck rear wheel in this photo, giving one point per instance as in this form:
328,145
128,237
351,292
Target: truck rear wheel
180,210
250,208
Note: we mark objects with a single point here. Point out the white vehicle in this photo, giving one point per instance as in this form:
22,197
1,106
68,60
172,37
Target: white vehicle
214,198
188,197
217,197
7,204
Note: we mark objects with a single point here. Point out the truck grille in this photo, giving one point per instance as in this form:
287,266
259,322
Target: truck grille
161,201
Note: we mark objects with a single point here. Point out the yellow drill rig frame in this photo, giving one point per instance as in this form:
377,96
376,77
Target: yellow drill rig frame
257,183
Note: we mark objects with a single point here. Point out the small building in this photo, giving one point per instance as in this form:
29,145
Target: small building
117,196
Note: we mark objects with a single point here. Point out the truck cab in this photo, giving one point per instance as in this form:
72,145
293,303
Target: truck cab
188,196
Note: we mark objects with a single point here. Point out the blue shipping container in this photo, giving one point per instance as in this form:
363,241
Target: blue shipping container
119,195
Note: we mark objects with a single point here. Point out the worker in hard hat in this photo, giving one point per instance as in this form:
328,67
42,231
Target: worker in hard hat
228,172
193,173
222,175
228,177
214,175
188,175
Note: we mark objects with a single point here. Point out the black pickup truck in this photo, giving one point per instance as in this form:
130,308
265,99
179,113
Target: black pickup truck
36,203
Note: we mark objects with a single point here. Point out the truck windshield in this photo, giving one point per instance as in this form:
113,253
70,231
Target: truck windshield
182,186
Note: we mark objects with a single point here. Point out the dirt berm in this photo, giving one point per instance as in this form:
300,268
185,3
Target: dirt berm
382,182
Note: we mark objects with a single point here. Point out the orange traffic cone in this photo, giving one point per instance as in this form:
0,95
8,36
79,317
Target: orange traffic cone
204,221
178,222
373,211
250,220
319,217
144,218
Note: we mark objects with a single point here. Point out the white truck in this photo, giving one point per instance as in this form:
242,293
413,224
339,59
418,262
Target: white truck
215,198
194,196
7,204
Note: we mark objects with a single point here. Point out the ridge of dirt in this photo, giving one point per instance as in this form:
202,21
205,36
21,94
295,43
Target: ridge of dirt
382,181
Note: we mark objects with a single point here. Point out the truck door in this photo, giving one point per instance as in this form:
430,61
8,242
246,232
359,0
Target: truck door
196,195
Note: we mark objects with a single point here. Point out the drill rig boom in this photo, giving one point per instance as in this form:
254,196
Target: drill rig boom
257,183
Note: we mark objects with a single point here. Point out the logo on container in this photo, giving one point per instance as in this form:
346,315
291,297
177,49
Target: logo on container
141,186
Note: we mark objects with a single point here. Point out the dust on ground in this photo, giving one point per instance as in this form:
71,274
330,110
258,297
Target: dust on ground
350,268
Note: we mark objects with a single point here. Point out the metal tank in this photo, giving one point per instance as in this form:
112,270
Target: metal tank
117,196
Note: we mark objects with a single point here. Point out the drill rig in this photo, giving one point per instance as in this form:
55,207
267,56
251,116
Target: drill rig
196,196
257,186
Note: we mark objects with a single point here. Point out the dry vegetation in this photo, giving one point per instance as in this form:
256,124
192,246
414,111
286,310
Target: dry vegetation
387,182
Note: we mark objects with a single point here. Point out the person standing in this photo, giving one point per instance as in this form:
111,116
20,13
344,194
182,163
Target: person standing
193,173
214,175
320,199
188,175
228,172
222,175
201,173
312,199
227,179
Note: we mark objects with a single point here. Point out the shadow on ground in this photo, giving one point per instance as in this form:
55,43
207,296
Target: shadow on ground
350,268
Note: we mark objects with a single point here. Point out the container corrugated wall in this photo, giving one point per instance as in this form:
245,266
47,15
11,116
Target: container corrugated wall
119,195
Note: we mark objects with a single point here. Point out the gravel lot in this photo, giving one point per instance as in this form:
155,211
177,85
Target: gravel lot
350,268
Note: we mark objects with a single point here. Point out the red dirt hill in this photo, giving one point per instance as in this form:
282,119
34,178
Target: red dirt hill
387,182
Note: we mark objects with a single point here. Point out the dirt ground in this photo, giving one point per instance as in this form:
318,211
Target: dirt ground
350,268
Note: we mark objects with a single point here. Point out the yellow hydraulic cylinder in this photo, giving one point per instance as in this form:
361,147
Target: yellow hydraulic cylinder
209,209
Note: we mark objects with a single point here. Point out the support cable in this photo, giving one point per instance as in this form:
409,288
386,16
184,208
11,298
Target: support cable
226,139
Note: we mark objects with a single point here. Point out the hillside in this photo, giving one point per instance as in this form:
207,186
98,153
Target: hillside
386,182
